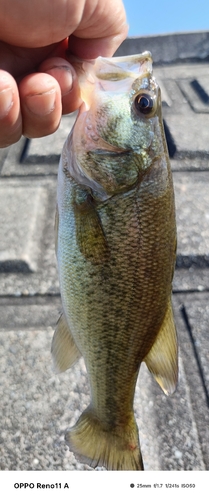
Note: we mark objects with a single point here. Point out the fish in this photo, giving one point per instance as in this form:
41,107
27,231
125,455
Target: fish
116,251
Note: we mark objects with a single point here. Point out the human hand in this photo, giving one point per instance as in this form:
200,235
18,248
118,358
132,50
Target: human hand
37,82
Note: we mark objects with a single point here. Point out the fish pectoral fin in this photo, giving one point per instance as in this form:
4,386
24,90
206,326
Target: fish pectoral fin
64,350
162,359
89,232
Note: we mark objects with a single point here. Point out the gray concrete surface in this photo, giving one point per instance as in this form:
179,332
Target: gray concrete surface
37,406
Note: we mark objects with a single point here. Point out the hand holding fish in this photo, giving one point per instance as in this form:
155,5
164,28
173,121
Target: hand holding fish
37,83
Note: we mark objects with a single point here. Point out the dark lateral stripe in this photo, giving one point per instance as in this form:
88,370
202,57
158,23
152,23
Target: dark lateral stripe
170,140
196,261
200,91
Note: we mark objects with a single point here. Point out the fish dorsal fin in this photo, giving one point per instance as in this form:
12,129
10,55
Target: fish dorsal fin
64,350
162,359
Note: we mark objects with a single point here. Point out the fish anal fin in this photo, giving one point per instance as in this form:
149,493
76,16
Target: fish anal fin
89,232
64,350
162,359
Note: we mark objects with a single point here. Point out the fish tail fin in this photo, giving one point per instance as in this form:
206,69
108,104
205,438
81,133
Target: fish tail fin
115,449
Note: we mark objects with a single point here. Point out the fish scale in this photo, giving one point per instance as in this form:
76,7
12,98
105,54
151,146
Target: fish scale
116,241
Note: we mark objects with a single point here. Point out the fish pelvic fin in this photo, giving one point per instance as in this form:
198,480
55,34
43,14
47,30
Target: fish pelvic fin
162,359
115,449
64,350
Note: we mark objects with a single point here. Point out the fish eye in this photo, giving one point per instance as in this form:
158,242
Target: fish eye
144,104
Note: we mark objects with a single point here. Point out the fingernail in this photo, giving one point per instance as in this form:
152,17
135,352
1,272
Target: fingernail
64,77
6,102
42,104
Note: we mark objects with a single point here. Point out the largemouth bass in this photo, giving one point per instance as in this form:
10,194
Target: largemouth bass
116,245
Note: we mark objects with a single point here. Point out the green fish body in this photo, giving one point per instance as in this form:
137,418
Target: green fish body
116,244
